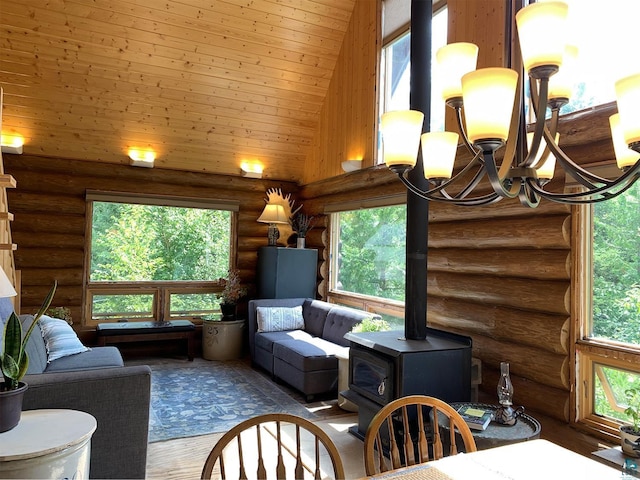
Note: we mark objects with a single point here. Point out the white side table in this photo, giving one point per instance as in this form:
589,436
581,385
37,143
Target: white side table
48,444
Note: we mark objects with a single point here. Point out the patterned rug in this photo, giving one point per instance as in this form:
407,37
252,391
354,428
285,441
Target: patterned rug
210,397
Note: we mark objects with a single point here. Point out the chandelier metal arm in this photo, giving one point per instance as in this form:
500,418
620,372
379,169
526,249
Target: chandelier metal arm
514,133
539,103
592,196
445,197
462,131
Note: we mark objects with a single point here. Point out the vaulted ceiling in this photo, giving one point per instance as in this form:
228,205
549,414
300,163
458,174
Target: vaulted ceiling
207,84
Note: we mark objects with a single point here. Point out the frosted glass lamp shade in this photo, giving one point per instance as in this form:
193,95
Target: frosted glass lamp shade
273,213
488,96
625,157
542,29
545,168
628,99
454,60
401,136
6,286
439,154
561,84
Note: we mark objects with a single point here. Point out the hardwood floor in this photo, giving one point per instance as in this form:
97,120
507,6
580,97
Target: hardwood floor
183,459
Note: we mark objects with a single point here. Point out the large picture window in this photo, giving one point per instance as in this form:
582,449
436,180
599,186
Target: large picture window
609,347
155,261
368,259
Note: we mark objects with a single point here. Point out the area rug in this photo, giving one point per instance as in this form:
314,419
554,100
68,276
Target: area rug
211,397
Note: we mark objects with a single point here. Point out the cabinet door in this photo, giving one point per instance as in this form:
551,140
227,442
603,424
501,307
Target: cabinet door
287,272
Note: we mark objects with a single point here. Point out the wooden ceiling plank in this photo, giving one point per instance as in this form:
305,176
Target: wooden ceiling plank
80,105
110,80
85,31
135,63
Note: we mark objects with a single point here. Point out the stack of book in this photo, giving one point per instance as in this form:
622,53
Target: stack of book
476,418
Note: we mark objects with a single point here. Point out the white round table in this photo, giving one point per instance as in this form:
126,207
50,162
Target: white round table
48,444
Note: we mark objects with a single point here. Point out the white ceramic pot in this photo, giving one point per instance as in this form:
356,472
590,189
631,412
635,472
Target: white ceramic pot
628,441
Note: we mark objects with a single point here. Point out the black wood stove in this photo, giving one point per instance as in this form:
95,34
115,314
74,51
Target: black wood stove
383,366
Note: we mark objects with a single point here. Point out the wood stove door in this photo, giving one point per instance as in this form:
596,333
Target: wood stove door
371,376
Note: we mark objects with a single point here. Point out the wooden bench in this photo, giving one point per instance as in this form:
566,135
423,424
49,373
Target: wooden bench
121,332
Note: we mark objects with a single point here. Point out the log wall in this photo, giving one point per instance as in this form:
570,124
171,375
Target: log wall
49,217
500,274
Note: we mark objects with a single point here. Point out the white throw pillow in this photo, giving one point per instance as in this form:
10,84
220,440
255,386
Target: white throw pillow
59,338
278,319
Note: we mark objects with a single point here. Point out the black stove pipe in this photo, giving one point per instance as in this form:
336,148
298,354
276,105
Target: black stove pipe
415,323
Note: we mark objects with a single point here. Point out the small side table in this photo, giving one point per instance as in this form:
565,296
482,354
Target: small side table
48,444
495,435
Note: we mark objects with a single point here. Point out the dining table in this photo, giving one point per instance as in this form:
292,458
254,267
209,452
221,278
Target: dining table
531,460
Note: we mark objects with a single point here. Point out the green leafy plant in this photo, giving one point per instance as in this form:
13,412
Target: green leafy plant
371,325
633,408
14,359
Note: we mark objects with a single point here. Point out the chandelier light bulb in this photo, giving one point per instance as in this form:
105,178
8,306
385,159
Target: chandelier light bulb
628,100
562,83
625,157
487,117
542,31
439,154
401,136
454,60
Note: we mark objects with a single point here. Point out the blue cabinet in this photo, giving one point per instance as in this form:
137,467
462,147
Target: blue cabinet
287,272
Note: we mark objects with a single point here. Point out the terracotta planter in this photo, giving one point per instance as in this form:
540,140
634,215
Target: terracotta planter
11,406
628,441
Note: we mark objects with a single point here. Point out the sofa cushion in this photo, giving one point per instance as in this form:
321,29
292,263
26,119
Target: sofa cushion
93,359
308,355
59,338
266,340
341,320
315,313
278,319
36,350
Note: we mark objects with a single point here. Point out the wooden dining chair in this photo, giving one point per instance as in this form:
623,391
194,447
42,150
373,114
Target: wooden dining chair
404,433
274,443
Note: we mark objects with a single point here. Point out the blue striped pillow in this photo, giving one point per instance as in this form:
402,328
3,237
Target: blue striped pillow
278,319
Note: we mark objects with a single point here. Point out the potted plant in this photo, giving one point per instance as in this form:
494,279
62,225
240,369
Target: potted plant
630,434
14,362
301,223
231,293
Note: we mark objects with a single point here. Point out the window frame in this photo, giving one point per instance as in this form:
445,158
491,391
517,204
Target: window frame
364,302
161,290
587,353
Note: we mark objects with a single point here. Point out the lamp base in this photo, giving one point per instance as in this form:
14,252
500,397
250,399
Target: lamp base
273,234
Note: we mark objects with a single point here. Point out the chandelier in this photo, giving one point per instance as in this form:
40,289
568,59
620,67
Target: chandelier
489,105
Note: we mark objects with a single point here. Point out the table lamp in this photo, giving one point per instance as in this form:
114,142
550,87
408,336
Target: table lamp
273,214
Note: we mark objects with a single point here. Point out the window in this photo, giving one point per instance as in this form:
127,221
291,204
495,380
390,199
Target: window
600,62
368,263
150,260
608,345
609,350
395,73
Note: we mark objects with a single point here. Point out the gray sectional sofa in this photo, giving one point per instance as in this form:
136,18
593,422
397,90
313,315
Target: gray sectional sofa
97,382
303,354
